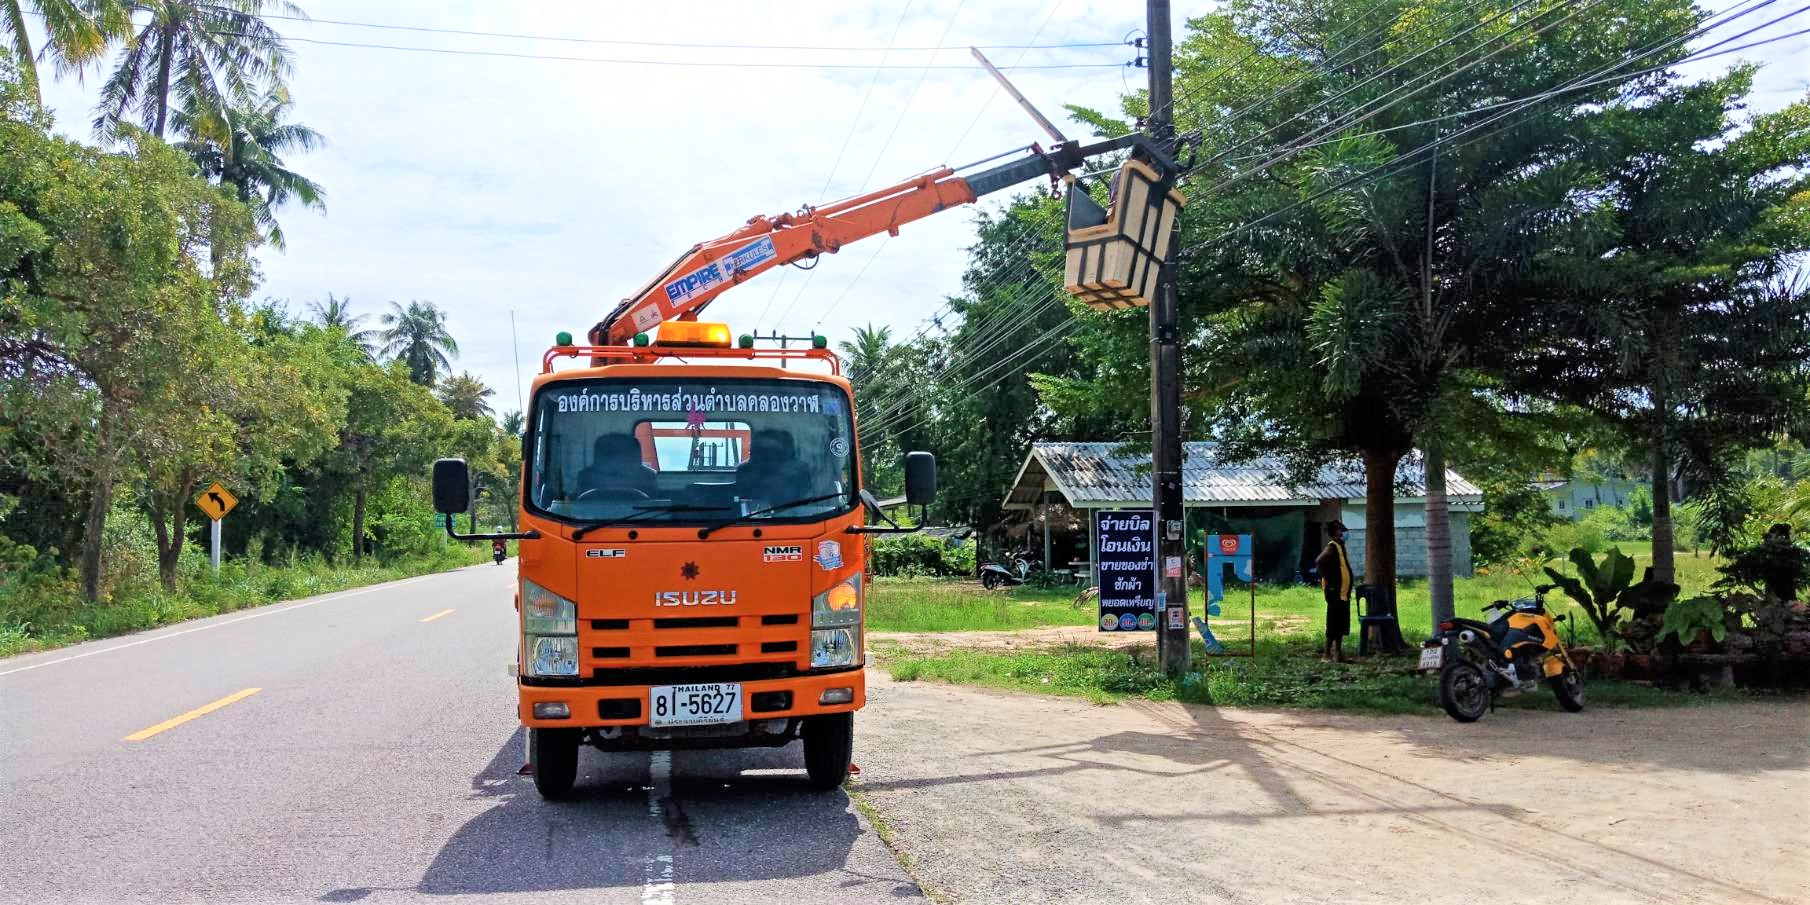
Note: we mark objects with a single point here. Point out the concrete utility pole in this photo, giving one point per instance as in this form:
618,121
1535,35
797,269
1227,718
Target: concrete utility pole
1165,380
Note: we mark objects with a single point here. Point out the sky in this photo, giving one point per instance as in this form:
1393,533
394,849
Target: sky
551,189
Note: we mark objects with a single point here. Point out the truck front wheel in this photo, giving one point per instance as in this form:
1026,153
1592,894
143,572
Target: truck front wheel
553,753
829,745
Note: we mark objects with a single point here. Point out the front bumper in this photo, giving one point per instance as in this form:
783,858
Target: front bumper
589,703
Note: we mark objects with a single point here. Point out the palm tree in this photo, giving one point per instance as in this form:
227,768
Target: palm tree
417,335
868,353
464,394
336,314
208,53
514,423
245,154
78,31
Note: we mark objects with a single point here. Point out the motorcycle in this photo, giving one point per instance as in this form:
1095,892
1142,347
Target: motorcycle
499,551
993,575
1507,656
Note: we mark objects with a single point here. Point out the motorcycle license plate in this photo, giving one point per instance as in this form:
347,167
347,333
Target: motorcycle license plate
1432,657
695,705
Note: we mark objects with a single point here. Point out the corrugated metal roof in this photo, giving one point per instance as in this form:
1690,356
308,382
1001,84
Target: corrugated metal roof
1097,473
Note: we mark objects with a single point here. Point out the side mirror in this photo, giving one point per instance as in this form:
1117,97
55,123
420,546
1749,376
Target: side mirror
452,486
920,478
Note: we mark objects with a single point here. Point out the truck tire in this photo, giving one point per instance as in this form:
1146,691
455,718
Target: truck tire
554,755
829,745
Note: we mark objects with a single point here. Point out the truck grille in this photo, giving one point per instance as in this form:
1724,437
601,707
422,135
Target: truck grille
687,645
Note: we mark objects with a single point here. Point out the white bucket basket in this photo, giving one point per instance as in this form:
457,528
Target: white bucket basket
1114,258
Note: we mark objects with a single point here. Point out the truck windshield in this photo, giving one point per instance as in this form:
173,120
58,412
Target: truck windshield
665,450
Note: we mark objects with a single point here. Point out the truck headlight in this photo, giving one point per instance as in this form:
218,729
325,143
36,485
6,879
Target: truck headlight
833,647
547,613
836,625
549,632
552,655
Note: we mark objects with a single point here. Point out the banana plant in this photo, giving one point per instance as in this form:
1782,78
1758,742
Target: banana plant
1597,586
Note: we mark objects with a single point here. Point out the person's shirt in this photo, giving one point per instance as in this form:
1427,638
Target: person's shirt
1334,566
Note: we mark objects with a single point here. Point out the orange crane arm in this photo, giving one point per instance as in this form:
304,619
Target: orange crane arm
709,269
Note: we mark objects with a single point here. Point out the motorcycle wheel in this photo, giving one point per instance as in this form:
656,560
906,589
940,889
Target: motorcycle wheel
1568,687
989,580
1464,691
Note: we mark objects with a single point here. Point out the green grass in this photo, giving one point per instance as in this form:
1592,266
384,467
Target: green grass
1279,676
1286,672
55,616
942,605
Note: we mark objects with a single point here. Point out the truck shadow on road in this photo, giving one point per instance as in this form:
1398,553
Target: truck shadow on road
725,816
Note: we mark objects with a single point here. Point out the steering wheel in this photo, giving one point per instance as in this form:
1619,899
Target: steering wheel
613,491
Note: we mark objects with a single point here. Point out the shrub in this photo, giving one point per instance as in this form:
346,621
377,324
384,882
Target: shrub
921,555
1514,519
1685,618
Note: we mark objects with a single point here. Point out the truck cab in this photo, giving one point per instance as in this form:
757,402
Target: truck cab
692,559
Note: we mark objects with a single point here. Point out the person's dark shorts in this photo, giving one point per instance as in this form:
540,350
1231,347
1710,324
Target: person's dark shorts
1338,615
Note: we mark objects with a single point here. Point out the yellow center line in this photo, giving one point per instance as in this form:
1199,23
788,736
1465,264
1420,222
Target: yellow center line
203,710
437,615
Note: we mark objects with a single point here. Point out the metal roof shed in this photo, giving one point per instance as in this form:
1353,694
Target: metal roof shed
1099,476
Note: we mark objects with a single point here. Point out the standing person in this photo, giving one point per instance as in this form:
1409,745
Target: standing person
1335,582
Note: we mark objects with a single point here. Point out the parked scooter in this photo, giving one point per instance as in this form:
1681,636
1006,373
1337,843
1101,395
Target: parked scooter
993,575
1506,656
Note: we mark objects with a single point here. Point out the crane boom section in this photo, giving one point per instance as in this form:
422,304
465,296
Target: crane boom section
711,268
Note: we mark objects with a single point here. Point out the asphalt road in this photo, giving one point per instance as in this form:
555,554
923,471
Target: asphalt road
363,747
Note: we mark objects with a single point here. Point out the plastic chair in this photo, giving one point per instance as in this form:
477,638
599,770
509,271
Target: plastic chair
1376,614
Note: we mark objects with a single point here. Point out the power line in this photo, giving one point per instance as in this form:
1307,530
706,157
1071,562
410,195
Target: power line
1377,109
1555,92
1408,157
823,193
677,63
681,44
879,156
1395,95
990,98
890,419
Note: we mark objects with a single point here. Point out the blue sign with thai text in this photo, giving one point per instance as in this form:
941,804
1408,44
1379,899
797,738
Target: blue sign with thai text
1127,558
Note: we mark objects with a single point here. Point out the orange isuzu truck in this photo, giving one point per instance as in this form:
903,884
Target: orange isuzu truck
693,516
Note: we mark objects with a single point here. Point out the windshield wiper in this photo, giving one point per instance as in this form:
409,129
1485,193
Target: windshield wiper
645,512
705,532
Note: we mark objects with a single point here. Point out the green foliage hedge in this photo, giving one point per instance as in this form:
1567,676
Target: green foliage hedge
921,555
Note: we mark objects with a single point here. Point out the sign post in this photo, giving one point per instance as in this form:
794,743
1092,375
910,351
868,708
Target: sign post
1127,562
215,502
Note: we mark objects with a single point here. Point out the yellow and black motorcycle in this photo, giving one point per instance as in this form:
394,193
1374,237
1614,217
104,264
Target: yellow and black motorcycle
1507,656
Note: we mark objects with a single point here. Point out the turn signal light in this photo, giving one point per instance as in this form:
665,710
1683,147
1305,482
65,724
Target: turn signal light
844,597
694,333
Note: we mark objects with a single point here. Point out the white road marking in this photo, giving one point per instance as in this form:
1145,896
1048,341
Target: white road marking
657,879
260,613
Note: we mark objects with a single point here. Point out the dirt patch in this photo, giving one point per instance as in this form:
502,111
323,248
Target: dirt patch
1033,639
1003,797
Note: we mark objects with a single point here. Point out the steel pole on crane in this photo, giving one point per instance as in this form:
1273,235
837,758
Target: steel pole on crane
1165,380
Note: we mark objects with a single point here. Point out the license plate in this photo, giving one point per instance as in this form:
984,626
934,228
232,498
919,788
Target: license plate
695,705
1432,657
